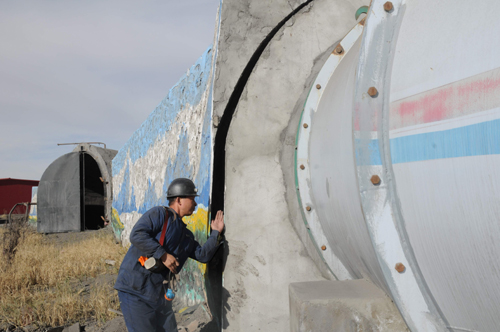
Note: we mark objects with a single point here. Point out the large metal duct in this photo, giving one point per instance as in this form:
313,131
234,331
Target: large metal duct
397,161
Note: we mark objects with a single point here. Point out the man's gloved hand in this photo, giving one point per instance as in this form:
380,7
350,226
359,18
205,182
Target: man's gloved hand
218,223
170,262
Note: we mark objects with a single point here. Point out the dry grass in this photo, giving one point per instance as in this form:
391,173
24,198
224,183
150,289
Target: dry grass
51,284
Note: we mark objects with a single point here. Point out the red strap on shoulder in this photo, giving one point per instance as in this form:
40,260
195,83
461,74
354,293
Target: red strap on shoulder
164,228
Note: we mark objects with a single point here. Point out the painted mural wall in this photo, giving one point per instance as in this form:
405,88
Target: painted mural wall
174,141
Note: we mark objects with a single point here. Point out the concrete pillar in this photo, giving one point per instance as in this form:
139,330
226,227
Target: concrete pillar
343,306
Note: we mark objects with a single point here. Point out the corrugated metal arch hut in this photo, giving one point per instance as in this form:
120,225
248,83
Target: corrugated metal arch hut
75,191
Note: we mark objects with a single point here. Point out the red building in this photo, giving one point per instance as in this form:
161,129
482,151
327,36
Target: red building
14,191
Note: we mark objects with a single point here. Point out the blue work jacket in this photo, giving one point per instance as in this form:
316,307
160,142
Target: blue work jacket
179,241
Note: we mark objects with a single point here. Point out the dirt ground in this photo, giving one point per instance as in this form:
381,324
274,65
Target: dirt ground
189,319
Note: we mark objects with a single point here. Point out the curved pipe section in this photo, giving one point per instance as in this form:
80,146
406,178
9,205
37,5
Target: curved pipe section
376,182
385,144
313,146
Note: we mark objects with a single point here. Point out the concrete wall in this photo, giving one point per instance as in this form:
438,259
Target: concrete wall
342,306
244,25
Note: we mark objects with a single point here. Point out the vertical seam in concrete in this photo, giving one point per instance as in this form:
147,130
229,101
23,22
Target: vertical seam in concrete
218,180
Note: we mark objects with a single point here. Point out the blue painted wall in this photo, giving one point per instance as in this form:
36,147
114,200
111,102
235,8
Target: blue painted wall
174,141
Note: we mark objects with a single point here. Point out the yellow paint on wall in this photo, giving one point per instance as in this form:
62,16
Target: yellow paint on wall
198,223
116,218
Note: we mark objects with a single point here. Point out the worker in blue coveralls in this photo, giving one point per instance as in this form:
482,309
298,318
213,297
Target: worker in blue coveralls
142,294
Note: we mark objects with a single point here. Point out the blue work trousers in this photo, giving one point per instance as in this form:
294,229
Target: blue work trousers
144,316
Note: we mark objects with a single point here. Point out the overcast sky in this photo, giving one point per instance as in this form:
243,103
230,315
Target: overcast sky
84,71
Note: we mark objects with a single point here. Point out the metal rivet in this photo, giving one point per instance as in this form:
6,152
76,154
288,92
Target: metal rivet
306,125
323,248
388,6
372,91
400,267
339,49
302,167
308,208
375,179
318,86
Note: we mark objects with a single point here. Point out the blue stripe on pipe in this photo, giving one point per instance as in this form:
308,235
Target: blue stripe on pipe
474,140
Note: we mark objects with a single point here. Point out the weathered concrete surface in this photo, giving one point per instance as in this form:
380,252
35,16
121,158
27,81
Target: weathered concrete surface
244,25
344,306
265,252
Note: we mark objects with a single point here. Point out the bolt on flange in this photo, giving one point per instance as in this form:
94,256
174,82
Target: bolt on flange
375,179
400,267
388,6
372,91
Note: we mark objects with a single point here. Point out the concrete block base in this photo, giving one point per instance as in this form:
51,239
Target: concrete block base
352,305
